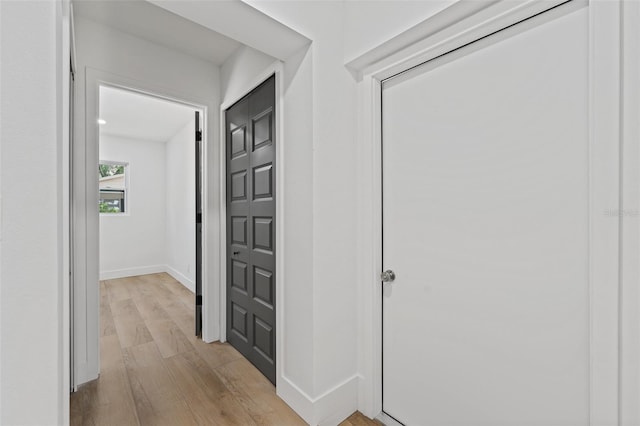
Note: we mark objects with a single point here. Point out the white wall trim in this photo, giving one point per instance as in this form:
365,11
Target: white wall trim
132,272
461,23
242,22
181,278
65,61
151,269
328,409
455,27
630,216
369,247
604,193
87,207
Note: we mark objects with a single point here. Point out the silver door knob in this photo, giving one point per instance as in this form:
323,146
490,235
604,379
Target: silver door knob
388,276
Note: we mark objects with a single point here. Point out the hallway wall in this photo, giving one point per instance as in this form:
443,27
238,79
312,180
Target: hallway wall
33,274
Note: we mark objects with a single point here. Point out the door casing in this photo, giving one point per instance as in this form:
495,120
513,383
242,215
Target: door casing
460,25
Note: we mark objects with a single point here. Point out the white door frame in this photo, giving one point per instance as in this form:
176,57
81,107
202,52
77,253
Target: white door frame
276,68
454,27
86,283
630,217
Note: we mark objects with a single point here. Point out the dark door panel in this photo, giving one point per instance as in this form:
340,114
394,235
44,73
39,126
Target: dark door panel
251,250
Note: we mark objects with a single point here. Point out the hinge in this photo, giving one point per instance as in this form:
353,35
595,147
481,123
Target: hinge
199,300
198,217
198,135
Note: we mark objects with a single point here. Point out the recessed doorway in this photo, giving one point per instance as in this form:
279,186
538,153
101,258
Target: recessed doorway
251,227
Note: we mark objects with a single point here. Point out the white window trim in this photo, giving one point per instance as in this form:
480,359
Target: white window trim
127,188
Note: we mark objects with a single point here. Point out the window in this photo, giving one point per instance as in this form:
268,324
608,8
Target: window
113,187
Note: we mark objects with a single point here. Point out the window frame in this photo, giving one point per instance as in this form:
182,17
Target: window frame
125,190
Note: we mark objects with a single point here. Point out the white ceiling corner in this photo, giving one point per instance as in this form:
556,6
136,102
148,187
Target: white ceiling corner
136,116
241,21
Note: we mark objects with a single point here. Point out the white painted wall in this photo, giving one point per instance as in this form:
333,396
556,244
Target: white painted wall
33,138
103,52
180,206
369,23
133,243
240,70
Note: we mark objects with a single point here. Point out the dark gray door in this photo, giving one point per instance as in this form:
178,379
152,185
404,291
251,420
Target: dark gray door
198,218
251,209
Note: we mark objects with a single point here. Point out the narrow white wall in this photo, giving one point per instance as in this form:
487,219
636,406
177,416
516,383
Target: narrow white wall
133,243
320,172
31,290
143,65
180,243
238,74
240,70
369,23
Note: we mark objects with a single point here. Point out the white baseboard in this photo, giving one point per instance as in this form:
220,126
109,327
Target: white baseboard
329,409
132,272
85,373
143,270
181,278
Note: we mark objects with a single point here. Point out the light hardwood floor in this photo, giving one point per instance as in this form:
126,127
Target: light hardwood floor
154,371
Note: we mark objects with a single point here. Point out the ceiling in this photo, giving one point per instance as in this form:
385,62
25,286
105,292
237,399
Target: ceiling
147,21
137,116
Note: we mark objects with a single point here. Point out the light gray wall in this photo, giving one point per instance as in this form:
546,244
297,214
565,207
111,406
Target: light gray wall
240,70
180,206
133,243
369,23
157,232
32,272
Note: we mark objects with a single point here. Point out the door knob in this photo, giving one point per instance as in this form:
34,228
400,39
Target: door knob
235,253
388,276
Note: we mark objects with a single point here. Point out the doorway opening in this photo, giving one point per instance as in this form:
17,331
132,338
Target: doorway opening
149,183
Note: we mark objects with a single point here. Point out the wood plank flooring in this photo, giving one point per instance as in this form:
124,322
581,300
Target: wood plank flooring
154,371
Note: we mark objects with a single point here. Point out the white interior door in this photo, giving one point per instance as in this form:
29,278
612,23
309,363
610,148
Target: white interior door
486,225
